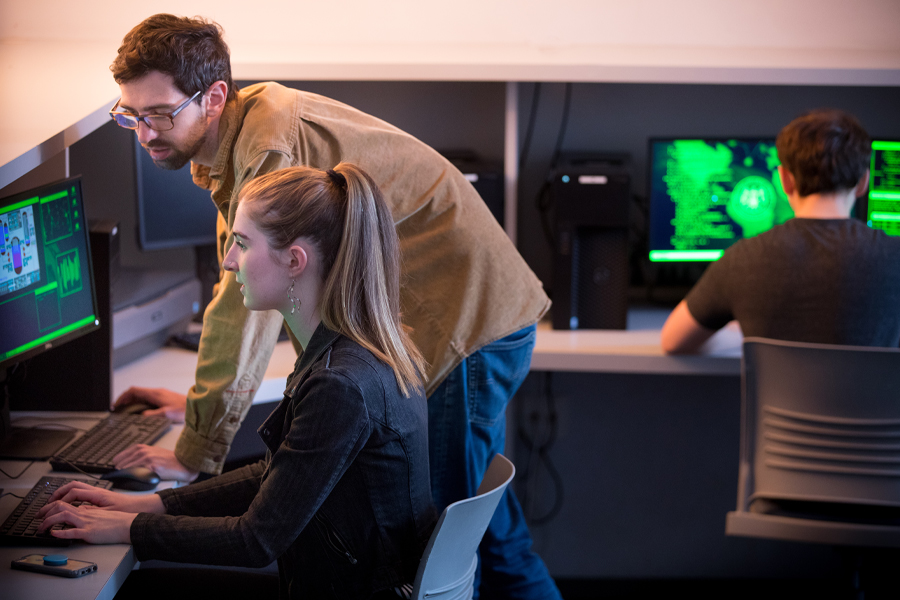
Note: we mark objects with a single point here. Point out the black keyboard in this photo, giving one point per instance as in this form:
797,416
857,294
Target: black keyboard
93,452
20,528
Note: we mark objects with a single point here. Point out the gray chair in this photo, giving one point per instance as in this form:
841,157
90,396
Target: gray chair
447,568
820,444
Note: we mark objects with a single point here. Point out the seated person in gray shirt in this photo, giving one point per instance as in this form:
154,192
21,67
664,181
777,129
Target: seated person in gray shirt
820,277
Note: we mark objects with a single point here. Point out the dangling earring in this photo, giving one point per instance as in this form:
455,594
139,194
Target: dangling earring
295,302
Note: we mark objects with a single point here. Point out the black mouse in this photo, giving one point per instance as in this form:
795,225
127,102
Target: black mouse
134,408
135,479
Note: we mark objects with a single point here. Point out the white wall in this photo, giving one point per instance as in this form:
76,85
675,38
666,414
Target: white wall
495,30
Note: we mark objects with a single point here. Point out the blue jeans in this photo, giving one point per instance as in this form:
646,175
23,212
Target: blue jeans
466,428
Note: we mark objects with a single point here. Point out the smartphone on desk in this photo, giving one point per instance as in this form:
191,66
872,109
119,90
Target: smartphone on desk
54,564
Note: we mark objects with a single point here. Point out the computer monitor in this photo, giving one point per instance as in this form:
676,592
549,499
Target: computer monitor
705,194
173,212
47,295
883,210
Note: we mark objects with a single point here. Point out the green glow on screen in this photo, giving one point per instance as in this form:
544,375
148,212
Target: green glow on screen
49,337
884,187
723,190
685,255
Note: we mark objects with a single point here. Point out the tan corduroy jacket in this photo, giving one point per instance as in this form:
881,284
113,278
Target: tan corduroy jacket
463,284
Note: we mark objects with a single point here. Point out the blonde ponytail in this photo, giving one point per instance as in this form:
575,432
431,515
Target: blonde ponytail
342,212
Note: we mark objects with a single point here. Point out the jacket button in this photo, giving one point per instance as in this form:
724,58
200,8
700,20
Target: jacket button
266,431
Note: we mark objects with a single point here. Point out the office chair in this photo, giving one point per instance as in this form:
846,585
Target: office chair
820,435
820,445
447,568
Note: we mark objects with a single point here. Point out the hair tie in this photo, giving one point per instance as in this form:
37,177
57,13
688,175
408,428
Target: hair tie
338,179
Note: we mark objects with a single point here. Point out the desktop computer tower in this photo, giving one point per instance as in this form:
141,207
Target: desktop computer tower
485,176
591,196
86,363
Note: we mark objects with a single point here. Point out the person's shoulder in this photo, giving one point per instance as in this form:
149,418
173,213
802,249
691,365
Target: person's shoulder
347,358
269,115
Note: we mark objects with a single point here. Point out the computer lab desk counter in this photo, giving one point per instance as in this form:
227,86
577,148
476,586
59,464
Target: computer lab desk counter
114,561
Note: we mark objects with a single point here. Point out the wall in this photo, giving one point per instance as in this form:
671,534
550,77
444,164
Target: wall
661,32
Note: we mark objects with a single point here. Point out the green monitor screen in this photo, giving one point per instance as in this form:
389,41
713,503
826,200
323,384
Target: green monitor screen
46,284
705,194
883,211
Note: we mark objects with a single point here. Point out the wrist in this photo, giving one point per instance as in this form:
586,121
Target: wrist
153,504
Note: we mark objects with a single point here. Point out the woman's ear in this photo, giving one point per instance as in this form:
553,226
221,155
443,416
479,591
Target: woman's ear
297,259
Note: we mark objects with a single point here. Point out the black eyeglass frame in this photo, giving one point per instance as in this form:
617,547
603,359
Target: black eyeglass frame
129,118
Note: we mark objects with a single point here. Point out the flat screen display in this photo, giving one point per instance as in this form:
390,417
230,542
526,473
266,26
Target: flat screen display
46,283
173,212
705,194
883,211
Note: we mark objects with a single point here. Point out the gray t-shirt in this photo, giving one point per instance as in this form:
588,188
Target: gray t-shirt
808,280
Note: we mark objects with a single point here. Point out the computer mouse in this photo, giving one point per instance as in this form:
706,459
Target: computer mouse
135,479
133,408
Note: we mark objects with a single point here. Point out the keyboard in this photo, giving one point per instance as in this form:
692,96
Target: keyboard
93,452
20,528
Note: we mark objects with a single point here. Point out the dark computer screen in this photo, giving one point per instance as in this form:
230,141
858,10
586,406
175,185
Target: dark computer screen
883,210
172,210
46,284
705,194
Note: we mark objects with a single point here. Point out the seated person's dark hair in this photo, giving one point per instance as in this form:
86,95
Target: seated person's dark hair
826,150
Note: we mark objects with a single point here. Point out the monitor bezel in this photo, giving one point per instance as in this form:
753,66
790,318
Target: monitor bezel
81,331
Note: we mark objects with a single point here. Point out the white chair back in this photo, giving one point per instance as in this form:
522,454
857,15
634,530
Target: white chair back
447,568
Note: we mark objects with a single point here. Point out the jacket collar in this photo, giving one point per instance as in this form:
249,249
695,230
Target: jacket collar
322,339
229,124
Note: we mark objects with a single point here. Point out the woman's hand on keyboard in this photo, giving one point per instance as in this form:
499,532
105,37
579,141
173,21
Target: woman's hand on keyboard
88,523
102,499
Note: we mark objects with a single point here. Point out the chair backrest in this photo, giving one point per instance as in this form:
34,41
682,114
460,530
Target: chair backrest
447,568
819,423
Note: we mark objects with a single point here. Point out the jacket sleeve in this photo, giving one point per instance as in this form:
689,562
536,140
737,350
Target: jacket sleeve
226,495
235,348
328,429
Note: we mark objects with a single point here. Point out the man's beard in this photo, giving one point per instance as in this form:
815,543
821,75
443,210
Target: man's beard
177,157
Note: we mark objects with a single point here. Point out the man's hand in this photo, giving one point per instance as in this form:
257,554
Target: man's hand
163,462
168,403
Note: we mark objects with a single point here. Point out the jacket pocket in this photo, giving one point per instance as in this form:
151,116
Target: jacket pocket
332,539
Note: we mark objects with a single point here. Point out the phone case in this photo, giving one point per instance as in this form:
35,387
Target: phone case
72,568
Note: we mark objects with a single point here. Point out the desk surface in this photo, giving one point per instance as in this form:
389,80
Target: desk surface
114,562
635,350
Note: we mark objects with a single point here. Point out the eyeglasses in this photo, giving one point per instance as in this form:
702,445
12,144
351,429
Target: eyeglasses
157,122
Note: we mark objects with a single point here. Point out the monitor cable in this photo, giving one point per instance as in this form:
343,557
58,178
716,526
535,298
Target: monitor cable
529,129
538,455
544,200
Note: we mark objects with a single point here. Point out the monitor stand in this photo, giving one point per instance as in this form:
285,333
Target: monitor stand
27,443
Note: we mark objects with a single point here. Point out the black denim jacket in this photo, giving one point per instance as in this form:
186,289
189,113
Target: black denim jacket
343,499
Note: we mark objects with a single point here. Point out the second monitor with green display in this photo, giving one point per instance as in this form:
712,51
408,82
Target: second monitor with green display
705,194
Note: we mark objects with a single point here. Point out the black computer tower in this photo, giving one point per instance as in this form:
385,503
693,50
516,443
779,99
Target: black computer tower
591,198
485,176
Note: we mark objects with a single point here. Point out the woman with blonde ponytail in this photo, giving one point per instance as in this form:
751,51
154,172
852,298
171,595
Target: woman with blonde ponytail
343,498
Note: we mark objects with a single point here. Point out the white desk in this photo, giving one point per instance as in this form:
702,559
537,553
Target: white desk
635,350
114,562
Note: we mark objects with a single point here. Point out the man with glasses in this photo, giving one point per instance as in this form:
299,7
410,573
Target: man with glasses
470,299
